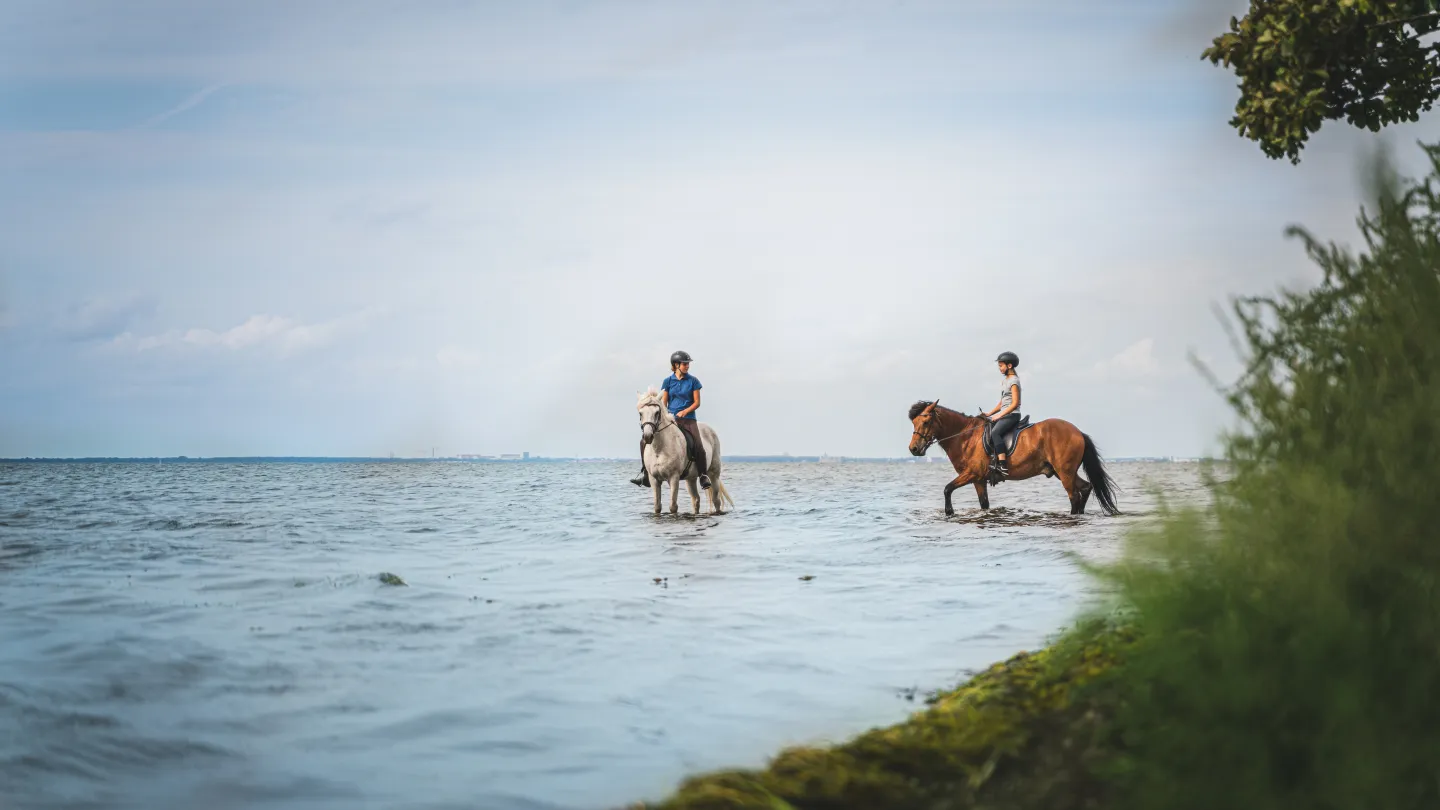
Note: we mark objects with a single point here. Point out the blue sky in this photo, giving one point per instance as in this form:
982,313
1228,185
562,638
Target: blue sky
288,228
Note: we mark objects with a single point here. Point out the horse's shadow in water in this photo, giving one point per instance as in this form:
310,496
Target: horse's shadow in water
667,519
1004,516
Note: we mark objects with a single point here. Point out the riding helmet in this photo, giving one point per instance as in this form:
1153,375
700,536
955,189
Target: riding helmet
1008,357
680,357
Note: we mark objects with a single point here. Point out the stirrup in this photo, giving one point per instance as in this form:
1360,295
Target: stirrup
704,482
641,480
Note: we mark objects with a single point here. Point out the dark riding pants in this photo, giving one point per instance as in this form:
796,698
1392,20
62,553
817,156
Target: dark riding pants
1000,431
691,427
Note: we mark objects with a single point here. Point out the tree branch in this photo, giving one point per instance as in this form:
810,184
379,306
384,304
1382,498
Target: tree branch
1430,15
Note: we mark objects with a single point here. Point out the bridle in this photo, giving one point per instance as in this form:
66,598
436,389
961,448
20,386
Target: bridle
930,440
659,410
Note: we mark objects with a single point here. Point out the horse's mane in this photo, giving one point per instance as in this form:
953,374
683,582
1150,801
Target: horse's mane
925,403
649,397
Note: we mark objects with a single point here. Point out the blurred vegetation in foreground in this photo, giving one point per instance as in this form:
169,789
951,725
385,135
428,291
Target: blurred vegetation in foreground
1280,648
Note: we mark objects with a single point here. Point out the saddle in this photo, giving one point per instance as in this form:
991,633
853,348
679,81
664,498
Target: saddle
1009,440
690,453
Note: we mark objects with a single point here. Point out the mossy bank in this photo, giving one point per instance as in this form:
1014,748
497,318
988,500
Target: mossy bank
1027,733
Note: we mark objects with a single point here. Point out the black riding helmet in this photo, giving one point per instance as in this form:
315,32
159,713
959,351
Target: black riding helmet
1008,357
680,357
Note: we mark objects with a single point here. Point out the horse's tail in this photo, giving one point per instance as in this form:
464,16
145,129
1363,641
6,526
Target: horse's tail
1099,479
722,495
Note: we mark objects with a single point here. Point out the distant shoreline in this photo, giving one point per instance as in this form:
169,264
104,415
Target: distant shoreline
531,460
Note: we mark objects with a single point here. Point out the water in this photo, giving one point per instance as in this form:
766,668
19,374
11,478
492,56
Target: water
217,635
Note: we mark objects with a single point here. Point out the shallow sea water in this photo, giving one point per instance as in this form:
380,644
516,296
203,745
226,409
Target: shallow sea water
216,635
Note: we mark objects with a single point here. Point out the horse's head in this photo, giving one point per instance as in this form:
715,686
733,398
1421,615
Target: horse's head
925,419
651,413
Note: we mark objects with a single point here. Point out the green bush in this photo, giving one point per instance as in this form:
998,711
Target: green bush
1290,638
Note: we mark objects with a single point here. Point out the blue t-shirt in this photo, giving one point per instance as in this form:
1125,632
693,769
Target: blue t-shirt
681,393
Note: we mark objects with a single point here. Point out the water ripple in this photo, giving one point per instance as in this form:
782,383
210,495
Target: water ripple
187,635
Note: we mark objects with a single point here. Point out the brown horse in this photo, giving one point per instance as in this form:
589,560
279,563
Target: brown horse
1050,447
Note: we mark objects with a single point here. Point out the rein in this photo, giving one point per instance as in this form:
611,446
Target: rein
932,441
656,424
659,414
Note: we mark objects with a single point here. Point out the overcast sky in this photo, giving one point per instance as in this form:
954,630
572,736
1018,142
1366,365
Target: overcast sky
255,227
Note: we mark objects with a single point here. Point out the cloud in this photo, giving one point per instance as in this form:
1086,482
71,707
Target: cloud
1135,360
194,100
457,357
271,331
103,317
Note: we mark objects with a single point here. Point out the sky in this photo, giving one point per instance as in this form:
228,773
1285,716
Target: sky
253,227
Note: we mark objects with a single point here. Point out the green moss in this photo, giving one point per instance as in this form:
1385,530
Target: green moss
1023,733
390,579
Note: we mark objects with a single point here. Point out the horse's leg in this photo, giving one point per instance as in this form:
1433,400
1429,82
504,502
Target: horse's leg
960,481
695,494
655,484
1066,463
1077,489
982,491
675,495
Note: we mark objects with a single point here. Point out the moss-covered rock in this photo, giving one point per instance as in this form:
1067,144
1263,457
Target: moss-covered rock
1026,733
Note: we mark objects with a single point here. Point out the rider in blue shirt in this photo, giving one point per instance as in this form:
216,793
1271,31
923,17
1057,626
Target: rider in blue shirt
681,394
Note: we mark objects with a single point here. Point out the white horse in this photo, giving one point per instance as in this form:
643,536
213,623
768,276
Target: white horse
665,456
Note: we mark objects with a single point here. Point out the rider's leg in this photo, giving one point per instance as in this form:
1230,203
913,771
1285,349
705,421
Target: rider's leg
643,479
999,435
692,427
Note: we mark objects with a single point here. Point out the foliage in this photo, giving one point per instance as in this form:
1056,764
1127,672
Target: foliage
1290,641
1303,62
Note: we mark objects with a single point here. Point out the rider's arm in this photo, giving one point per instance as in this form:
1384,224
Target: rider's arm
665,398
693,405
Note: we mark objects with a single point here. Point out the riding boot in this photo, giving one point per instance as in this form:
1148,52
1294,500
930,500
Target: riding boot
643,479
704,481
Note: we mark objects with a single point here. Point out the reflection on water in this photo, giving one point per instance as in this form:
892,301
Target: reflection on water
183,635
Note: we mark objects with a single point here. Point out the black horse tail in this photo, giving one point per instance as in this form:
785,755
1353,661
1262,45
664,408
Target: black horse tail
1099,479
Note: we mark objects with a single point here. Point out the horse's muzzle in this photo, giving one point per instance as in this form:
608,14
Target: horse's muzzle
647,434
